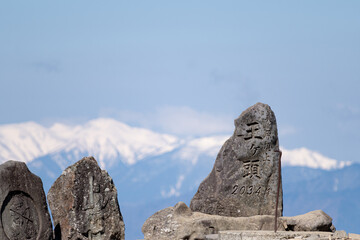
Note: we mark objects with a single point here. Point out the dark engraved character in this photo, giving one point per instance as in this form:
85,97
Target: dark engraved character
254,149
252,168
267,156
267,146
258,191
250,190
253,131
22,221
235,188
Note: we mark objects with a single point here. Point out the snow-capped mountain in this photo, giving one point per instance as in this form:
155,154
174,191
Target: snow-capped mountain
28,141
153,170
109,141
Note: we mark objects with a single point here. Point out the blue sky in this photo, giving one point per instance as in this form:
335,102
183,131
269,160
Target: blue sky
187,67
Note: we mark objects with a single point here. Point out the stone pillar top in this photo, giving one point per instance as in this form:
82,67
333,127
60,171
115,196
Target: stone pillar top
84,205
24,211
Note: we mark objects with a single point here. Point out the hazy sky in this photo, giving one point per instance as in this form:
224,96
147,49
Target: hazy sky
187,67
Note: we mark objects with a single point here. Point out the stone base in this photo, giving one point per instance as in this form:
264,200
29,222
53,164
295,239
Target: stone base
280,235
354,236
179,222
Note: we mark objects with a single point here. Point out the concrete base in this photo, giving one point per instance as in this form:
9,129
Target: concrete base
354,236
281,235
212,237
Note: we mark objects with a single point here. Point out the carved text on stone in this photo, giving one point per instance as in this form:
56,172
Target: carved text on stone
20,220
252,169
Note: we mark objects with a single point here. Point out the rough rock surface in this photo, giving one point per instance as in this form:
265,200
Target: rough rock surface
179,222
244,179
311,221
24,211
280,235
84,205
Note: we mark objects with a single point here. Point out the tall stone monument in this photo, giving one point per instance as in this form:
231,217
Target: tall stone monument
24,212
244,179
84,205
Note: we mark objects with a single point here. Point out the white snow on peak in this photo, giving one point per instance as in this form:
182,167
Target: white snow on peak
209,146
105,139
26,141
65,131
109,140
308,158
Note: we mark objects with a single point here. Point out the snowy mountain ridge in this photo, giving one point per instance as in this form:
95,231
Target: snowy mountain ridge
109,140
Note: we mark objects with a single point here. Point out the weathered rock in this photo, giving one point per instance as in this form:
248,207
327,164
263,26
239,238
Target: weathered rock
24,211
311,221
280,235
244,179
179,222
84,205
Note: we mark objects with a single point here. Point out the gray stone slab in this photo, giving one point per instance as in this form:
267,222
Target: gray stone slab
179,222
354,236
271,235
212,237
24,211
244,179
84,205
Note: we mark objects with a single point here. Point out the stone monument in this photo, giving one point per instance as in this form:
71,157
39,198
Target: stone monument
24,211
240,193
244,179
84,205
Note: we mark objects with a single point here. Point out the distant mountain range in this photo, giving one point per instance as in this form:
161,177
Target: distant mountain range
152,170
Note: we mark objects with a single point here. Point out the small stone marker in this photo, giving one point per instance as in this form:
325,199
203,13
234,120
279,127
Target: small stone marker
84,205
24,212
244,179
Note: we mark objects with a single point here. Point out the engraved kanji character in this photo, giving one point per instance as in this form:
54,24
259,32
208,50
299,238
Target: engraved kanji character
22,221
253,131
254,149
252,169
